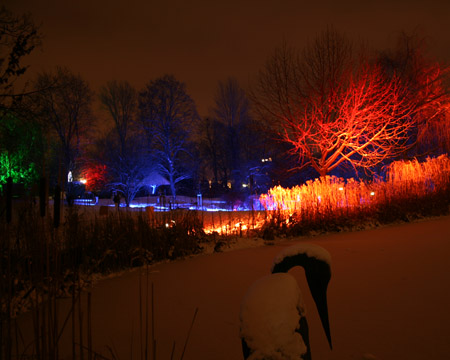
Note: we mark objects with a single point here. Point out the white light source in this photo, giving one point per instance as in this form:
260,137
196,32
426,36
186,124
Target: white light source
372,193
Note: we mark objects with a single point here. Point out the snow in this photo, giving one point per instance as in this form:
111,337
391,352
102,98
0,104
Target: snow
388,299
311,250
270,314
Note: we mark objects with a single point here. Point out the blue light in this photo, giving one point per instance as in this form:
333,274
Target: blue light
212,206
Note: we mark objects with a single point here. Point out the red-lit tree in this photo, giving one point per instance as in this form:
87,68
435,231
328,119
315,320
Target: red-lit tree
95,176
368,122
333,106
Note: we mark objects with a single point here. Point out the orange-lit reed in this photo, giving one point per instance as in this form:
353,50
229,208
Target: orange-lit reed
333,195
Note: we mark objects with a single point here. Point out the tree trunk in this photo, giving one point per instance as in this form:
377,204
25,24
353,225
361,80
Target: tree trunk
172,185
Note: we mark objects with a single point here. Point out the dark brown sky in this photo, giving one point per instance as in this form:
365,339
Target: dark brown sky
203,41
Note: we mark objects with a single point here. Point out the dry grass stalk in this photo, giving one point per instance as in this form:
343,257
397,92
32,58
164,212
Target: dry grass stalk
330,196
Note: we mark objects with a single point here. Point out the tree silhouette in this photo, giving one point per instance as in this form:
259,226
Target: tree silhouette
120,101
215,154
63,106
210,147
425,80
167,115
232,110
230,139
18,37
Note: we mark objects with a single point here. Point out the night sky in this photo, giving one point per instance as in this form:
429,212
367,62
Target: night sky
204,41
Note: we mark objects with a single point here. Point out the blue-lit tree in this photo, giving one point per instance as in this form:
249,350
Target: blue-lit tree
126,171
168,114
124,150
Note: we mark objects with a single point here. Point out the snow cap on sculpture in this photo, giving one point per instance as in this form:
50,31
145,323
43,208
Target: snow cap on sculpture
317,264
273,321
270,316
310,250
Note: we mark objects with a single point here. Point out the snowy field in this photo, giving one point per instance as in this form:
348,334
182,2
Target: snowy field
389,298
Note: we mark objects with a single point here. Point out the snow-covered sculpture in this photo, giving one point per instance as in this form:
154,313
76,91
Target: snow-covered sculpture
273,322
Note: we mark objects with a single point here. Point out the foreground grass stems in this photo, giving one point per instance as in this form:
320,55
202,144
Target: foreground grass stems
189,334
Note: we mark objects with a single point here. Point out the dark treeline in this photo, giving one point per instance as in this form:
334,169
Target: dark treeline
331,107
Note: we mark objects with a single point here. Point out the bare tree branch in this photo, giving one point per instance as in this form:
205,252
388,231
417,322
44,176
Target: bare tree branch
333,107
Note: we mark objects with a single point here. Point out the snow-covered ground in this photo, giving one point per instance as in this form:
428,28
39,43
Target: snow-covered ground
388,298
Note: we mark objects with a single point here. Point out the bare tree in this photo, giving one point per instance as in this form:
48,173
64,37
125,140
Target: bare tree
168,115
230,140
120,100
127,160
334,107
18,38
64,107
210,145
232,110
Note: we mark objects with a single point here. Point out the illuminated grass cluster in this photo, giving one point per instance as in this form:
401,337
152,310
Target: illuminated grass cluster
331,197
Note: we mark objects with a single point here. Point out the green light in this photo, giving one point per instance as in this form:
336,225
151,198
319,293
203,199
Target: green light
15,166
19,149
